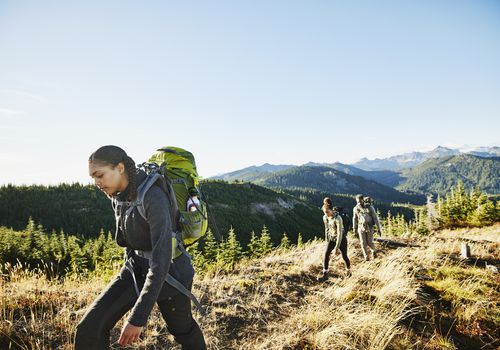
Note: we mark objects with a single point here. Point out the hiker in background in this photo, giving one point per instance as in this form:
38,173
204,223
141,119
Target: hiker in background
364,218
141,282
335,236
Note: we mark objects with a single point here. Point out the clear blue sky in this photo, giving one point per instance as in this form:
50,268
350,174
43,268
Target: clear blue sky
242,83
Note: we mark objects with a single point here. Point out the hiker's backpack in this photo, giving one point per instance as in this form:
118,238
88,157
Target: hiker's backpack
177,168
346,219
365,219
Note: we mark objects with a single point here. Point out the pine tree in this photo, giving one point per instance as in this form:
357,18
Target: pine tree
285,242
230,251
78,259
459,209
266,246
300,244
31,226
421,222
210,247
484,212
400,224
389,225
253,246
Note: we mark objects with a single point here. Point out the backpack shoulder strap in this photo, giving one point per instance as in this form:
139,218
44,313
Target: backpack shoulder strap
166,186
143,189
372,211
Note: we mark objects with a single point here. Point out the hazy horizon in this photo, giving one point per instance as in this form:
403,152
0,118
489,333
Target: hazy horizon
465,148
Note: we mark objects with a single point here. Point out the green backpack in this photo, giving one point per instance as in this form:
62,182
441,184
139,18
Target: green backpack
177,170
177,166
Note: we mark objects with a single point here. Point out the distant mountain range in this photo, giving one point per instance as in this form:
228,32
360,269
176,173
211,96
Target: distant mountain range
257,173
330,180
438,175
485,152
251,173
410,160
399,178
384,177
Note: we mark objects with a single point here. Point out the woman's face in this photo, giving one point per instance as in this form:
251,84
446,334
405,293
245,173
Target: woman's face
109,179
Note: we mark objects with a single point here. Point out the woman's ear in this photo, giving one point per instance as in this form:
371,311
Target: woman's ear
121,168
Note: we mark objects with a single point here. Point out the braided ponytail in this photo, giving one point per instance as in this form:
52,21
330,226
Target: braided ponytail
130,170
113,155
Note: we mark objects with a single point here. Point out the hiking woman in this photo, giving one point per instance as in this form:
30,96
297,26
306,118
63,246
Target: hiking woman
141,282
335,236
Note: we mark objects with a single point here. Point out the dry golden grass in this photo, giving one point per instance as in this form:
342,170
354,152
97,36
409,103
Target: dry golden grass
276,303
491,233
358,312
37,313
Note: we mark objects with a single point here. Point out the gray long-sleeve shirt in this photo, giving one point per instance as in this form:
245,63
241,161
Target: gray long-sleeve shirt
153,234
334,229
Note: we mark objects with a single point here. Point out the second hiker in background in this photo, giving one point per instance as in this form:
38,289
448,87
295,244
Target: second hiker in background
364,218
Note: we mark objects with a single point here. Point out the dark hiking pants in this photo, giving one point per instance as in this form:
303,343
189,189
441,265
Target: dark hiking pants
93,331
343,249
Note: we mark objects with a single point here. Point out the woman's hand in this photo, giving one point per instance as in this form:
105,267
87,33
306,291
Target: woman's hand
130,334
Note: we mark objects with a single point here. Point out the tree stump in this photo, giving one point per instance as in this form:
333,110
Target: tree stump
465,250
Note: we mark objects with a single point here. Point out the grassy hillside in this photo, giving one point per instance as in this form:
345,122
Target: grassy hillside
439,175
248,207
420,296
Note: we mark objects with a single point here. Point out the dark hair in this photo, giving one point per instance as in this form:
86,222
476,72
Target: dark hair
327,203
113,155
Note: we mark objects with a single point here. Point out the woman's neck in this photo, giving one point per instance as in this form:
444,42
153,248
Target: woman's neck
123,184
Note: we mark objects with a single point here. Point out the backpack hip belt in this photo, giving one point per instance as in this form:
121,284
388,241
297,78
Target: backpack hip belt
147,254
